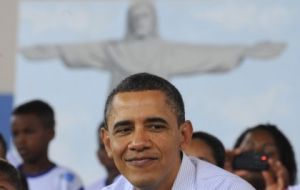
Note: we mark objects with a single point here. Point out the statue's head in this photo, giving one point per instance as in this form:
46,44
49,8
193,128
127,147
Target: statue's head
141,20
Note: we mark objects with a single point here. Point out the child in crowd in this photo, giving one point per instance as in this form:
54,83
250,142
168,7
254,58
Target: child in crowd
33,129
108,163
3,147
206,147
269,140
10,178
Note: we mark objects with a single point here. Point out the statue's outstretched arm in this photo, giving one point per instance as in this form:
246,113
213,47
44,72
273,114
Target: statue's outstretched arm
73,55
186,59
265,50
41,52
194,59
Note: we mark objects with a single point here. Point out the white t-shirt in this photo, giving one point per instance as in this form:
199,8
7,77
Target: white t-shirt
56,178
195,174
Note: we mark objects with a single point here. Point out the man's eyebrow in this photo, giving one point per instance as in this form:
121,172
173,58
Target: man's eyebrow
121,123
155,119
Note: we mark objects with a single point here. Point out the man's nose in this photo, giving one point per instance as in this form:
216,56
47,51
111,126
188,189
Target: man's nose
140,140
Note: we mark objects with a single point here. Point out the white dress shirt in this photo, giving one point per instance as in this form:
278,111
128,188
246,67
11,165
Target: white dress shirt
195,174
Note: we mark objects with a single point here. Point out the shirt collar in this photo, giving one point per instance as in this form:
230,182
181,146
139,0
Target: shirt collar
186,176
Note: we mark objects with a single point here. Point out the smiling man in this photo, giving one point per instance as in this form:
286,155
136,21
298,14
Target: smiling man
144,133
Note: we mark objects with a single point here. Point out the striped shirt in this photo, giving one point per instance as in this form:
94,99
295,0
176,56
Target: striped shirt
195,174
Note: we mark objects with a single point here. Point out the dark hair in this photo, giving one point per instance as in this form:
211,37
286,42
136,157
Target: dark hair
41,109
215,144
146,81
11,174
286,152
3,143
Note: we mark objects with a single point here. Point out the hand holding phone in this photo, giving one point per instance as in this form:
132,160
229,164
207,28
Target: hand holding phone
253,161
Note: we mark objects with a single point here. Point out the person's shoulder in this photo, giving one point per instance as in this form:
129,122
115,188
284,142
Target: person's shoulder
211,175
120,183
69,177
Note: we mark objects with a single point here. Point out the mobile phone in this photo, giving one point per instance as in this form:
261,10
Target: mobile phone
253,161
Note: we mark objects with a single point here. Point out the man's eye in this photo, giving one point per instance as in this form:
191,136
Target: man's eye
156,127
123,130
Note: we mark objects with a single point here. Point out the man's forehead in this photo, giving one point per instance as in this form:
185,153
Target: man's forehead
137,99
142,95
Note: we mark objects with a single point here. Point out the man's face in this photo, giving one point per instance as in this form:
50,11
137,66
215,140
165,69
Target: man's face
258,141
30,137
144,138
201,150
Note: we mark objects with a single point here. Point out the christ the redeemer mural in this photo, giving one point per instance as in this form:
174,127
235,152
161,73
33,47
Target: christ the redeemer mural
142,50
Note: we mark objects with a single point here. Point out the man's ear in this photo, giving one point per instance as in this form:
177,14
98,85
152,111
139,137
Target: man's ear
104,136
186,130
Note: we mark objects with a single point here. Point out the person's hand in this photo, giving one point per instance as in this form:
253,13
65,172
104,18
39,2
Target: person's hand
276,178
230,155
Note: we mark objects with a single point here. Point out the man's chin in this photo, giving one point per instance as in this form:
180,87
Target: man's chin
143,184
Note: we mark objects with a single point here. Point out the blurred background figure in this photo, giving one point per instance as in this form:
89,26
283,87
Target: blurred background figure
3,147
9,177
108,163
266,139
206,147
33,129
6,170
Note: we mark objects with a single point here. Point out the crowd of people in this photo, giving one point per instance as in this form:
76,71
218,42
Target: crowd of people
144,130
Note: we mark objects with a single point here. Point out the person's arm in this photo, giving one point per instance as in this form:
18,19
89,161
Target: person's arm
229,157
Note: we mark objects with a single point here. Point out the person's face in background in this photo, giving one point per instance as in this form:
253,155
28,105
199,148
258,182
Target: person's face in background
201,150
2,150
142,20
5,184
258,141
31,137
107,162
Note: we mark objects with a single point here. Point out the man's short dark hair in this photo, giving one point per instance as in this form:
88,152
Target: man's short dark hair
39,108
146,81
286,152
10,174
215,144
